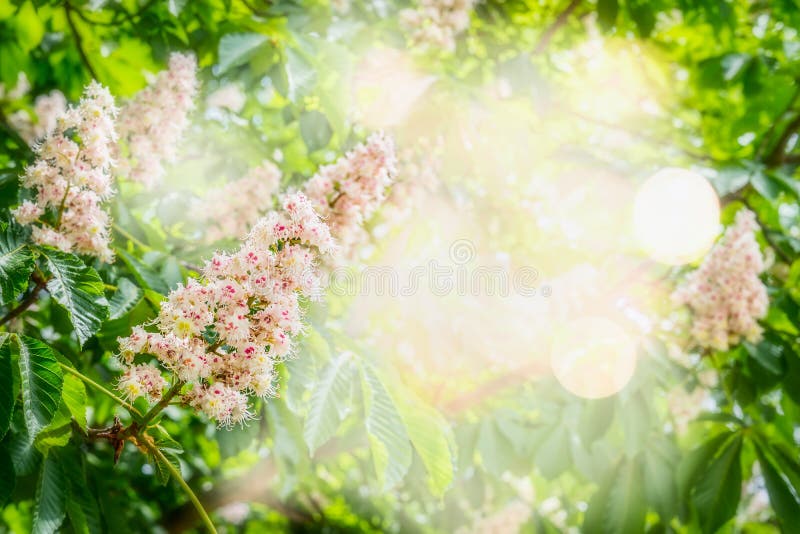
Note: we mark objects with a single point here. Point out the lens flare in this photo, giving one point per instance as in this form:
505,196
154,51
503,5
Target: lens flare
676,216
592,357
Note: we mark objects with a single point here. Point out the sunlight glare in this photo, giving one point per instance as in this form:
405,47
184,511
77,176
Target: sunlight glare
676,216
592,357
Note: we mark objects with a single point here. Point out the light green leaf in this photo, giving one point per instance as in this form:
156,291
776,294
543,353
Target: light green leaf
300,75
428,432
718,491
79,290
72,405
389,442
16,262
50,498
626,505
315,130
236,48
41,383
162,470
125,298
327,399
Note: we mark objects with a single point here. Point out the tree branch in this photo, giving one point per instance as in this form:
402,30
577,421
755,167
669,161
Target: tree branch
78,41
548,33
27,301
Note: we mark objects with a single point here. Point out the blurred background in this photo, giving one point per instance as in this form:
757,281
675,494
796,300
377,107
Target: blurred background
504,353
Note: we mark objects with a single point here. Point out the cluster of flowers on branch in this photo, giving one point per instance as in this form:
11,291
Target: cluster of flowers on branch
151,125
223,334
233,209
71,177
437,23
348,192
725,293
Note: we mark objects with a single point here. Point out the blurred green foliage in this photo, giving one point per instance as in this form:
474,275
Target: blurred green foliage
350,446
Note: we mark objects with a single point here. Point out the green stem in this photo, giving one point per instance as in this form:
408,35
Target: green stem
163,403
177,475
100,388
129,236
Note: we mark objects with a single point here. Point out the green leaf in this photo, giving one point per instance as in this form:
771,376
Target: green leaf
7,476
144,274
161,468
607,12
641,12
72,405
41,383
784,501
324,412
389,442
50,498
79,290
428,432
659,478
7,394
315,130
769,354
300,75
717,493
125,298
553,456
24,455
236,48
16,262
626,505
82,508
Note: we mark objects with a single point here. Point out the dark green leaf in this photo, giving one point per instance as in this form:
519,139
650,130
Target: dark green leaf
607,12
7,476
784,501
717,493
41,383
50,498
16,262
79,290
7,394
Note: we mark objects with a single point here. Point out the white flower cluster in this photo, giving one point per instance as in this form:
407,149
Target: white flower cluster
725,293
437,23
151,125
71,178
233,209
46,109
349,191
224,333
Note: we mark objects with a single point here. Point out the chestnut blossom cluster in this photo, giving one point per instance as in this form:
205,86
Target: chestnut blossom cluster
224,333
346,193
151,125
437,23
725,293
46,110
233,209
71,178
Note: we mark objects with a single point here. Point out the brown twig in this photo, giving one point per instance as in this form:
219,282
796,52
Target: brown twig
27,301
548,33
78,41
